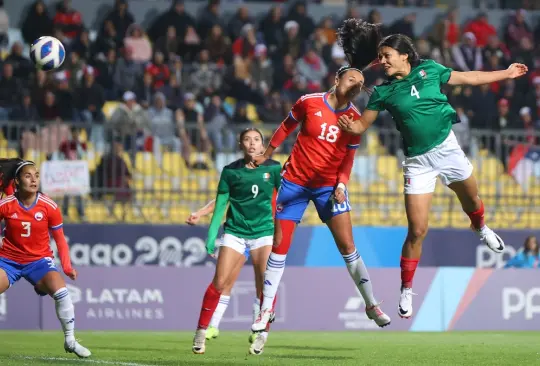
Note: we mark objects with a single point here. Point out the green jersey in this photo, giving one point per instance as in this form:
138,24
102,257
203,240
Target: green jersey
421,111
249,193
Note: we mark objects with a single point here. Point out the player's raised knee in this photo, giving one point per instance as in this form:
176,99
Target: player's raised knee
417,232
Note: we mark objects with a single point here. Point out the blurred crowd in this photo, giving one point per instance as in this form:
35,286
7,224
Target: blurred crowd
182,69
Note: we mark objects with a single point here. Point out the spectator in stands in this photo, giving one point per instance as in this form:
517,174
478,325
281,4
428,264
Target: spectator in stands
49,110
204,78
120,16
244,46
192,114
10,91
164,130
128,72
484,106
4,26
238,21
173,94
466,55
138,44
108,38
404,26
91,99
177,69
22,66
130,121
273,110
68,20
447,30
159,71
285,73
82,45
39,84
240,116
106,69
209,17
74,69
37,23
297,88
443,54
321,45
312,67
375,17
65,99
524,54
169,44
518,29
218,45
216,120
528,124
72,149
25,112
294,43
145,90
528,256
481,29
262,70
298,14
495,47
272,29
191,46
176,16
505,119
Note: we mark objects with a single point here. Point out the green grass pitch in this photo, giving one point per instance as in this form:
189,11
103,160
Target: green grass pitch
283,348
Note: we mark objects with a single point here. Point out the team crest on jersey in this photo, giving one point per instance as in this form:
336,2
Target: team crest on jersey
279,207
422,73
266,177
38,216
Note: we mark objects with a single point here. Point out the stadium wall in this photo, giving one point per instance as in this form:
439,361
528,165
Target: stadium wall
153,298
184,246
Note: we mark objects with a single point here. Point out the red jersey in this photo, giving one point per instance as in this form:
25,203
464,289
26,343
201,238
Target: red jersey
26,233
321,147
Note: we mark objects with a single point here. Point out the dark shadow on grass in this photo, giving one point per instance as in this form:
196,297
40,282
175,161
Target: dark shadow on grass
134,348
307,357
311,348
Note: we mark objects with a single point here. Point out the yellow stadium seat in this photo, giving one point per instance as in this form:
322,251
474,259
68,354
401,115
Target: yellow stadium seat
251,113
109,107
387,167
3,143
203,158
7,153
282,158
97,212
174,164
146,164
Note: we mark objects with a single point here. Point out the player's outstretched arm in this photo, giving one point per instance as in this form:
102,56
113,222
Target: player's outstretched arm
220,206
194,217
485,77
359,126
63,252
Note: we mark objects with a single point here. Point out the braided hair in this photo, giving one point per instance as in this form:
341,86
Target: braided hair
360,42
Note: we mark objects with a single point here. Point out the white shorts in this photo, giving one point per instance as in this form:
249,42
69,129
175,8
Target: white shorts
244,246
446,161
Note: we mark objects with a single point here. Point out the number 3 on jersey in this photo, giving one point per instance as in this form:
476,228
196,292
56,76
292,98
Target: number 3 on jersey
331,136
414,92
26,227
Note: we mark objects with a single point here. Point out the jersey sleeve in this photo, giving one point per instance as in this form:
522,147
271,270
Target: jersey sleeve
443,72
298,110
223,185
354,142
376,101
222,199
55,219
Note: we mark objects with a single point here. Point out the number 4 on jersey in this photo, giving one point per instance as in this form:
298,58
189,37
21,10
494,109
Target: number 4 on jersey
414,92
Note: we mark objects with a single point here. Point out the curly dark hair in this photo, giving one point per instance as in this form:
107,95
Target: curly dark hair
360,42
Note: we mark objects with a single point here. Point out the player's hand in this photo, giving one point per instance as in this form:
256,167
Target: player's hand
193,219
517,70
346,123
339,195
257,160
72,274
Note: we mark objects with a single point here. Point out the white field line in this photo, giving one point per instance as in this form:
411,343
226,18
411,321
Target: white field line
90,361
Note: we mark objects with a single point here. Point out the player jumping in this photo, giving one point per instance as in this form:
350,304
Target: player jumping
29,216
249,226
318,170
424,119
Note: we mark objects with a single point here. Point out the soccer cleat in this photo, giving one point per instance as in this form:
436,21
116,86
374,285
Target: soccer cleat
75,347
257,346
376,314
492,240
262,320
199,342
212,333
405,309
253,335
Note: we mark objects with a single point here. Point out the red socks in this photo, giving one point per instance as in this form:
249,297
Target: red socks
287,232
408,267
209,304
477,217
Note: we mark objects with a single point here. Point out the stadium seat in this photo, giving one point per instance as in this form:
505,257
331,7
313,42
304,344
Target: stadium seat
8,153
173,164
201,158
252,115
146,164
387,167
282,158
109,107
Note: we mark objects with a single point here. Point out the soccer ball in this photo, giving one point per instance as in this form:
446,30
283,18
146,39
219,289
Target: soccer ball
47,53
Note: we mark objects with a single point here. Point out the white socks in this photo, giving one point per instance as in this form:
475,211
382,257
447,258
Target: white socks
358,271
256,308
220,310
272,278
66,313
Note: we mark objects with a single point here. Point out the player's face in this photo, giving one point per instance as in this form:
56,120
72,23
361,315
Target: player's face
252,143
29,179
392,61
350,84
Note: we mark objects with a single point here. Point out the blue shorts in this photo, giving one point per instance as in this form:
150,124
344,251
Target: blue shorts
33,272
292,200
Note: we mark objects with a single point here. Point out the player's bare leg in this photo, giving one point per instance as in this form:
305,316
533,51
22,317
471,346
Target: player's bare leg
467,192
212,331
4,281
341,228
259,258
227,262
417,208
54,285
283,235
